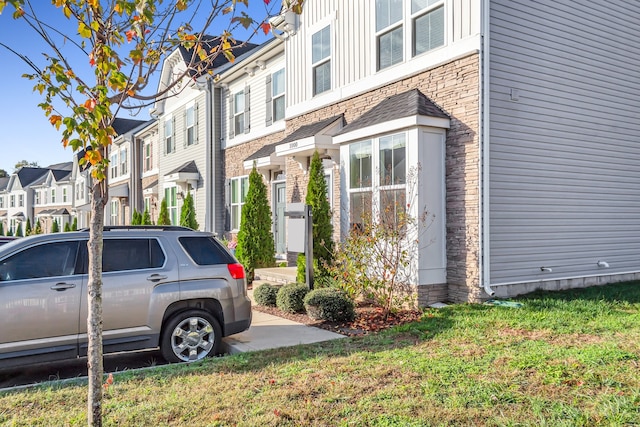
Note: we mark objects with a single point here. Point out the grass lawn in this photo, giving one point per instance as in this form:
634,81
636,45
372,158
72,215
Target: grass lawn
562,359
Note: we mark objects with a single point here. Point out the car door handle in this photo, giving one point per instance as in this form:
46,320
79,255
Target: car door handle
156,277
62,286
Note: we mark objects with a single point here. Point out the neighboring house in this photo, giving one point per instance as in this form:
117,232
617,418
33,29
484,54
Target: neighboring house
188,155
20,197
53,197
4,200
253,107
124,176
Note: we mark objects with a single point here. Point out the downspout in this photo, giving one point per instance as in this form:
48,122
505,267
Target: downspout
210,200
484,149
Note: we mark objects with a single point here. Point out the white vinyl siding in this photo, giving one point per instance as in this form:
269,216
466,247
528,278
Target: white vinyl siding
564,139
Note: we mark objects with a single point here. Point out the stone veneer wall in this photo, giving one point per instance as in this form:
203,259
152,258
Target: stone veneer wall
455,87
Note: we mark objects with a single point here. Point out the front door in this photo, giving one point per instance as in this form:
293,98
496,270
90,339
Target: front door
280,201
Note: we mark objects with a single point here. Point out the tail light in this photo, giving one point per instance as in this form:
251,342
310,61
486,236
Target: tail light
236,270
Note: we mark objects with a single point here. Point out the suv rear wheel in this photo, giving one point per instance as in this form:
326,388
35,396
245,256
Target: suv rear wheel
189,336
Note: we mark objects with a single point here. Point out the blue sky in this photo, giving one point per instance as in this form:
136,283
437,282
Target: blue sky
26,132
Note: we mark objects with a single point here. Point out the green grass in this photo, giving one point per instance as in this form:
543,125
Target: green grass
563,359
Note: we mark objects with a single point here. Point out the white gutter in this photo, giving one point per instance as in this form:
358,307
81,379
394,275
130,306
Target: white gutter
484,149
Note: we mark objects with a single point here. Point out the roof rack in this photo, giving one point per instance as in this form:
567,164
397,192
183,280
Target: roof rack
143,227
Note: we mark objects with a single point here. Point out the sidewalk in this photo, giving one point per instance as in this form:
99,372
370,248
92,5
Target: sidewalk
268,331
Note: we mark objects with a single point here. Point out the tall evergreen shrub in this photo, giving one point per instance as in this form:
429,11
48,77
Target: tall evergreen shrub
163,216
256,248
188,213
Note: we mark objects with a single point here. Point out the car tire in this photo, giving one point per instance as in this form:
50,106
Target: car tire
189,336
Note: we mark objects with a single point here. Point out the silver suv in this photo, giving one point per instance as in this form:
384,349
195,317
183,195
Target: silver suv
167,287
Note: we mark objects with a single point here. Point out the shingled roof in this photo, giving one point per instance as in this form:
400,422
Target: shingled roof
264,151
406,104
313,129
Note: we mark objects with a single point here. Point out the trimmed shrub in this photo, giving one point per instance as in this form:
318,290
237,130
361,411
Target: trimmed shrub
329,304
266,294
290,297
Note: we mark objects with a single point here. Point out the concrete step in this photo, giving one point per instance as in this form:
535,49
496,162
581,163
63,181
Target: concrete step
275,275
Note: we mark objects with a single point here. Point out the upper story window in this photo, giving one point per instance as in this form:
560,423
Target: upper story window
20,200
169,143
238,112
123,161
277,91
53,195
147,156
64,195
79,191
321,60
12,201
113,165
190,125
420,27
2,201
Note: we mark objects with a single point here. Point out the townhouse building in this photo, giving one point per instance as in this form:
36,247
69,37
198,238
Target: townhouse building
53,198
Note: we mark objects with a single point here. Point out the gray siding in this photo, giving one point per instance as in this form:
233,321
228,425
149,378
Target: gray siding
564,138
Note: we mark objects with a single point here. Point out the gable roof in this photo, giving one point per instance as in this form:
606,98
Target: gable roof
122,126
406,104
27,175
313,129
264,151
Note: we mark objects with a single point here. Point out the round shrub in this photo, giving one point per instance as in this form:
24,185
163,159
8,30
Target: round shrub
265,294
290,297
329,304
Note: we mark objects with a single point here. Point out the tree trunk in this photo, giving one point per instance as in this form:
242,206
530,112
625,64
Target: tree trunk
94,295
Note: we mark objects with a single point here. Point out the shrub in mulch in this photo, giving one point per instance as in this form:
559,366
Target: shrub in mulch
290,297
266,294
329,304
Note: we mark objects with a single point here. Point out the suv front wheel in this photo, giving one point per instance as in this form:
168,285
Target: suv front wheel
189,336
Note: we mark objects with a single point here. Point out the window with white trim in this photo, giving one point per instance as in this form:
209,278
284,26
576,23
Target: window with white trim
115,206
321,60
171,196
2,201
239,190
238,112
147,155
123,161
53,195
113,165
20,200
418,24
12,201
190,125
64,195
169,143
380,193
277,93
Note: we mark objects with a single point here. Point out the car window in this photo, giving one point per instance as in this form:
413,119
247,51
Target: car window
46,260
205,251
131,254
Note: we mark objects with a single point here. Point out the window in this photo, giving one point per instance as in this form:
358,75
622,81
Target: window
389,32
321,60
147,205
53,195
238,112
190,125
12,201
277,101
131,254
123,161
147,154
47,260
114,212
169,145
425,20
36,198
20,200
2,200
64,195
381,194
79,191
171,196
205,251
239,189
113,165
428,25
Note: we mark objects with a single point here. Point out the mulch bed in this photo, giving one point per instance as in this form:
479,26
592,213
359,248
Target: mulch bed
368,319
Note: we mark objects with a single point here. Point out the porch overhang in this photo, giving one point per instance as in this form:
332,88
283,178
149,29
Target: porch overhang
186,174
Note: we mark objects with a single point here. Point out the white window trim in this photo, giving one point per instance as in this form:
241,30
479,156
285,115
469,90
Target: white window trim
240,203
168,118
281,95
329,20
191,105
239,94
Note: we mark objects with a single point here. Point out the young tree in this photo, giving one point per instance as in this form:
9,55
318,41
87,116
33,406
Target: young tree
67,227
163,216
74,226
321,213
124,43
27,229
188,213
38,228
146,218
3,173
9,233
55,227
1,229
19,230
256,248
136,218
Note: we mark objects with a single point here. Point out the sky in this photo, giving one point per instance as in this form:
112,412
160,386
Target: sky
26,133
